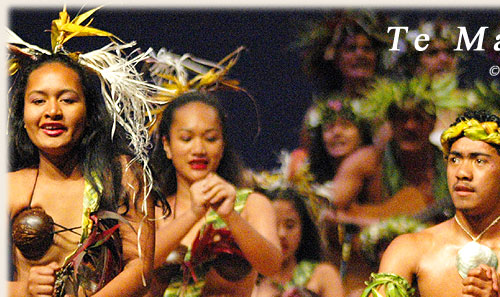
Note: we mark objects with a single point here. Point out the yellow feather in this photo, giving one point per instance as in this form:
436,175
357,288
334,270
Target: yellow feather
63,29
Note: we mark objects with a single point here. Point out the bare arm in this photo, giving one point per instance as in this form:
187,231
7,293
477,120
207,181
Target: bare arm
407,201
257,236
351,175
328,281
402,256
137,267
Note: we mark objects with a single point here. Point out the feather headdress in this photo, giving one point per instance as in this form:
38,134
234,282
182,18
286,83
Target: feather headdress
128,98
182,74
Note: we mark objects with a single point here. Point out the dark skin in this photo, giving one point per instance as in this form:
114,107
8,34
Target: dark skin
428,258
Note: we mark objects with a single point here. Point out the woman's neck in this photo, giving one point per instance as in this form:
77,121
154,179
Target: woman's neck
287,268
354,88
182,188
66,167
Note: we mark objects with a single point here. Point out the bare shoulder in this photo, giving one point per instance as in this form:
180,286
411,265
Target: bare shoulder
365,159
366,155
20,184
257,207
406,252
326,271
257,202
326,280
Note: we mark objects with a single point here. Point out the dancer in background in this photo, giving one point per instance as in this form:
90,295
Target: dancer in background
343,54
302,273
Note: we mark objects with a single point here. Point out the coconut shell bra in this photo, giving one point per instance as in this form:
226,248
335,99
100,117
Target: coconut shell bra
33,230
95,261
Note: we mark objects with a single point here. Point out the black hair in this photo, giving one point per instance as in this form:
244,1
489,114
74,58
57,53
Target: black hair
230,166
326,74
310,242
321,164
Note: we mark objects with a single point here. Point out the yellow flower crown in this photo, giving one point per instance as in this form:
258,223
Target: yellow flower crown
472,129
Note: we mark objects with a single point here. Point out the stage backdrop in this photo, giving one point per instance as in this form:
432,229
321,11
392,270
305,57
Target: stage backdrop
269,69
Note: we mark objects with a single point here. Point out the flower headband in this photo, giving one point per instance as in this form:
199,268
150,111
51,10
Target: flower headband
472,129
328,110
346,22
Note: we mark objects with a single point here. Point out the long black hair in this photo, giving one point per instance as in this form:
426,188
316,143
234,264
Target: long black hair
230,166
322,165
310,242
97,152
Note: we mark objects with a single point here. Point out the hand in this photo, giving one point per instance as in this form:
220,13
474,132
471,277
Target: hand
481,281
199,201
41,280
220,194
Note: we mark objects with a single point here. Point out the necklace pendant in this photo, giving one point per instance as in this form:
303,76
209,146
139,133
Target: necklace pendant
472,255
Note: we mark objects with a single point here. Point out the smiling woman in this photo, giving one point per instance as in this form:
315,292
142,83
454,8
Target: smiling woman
58,122
73,183
54,109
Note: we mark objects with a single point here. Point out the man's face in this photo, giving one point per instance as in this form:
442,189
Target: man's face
411,130
474,176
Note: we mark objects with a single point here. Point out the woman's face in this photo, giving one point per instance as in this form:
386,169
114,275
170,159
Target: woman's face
54,109
341,138
289,227
196,143
438,58
357,58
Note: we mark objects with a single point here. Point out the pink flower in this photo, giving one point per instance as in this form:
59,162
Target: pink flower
335,105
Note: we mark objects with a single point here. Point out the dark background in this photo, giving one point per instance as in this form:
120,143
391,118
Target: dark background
269,69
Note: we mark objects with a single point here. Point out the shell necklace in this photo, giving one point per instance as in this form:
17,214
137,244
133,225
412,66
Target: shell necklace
473,254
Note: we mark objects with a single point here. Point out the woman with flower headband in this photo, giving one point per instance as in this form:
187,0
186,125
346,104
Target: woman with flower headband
345,169
342,55
302,273
78,202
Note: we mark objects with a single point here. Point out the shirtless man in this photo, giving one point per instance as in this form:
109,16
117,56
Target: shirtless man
428,259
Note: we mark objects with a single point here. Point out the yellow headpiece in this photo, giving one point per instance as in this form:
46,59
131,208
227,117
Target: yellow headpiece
472,129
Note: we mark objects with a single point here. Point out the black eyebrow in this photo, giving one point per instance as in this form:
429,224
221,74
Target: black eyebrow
471,155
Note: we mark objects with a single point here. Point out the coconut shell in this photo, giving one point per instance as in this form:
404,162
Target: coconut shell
172,265
32,232
231,267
